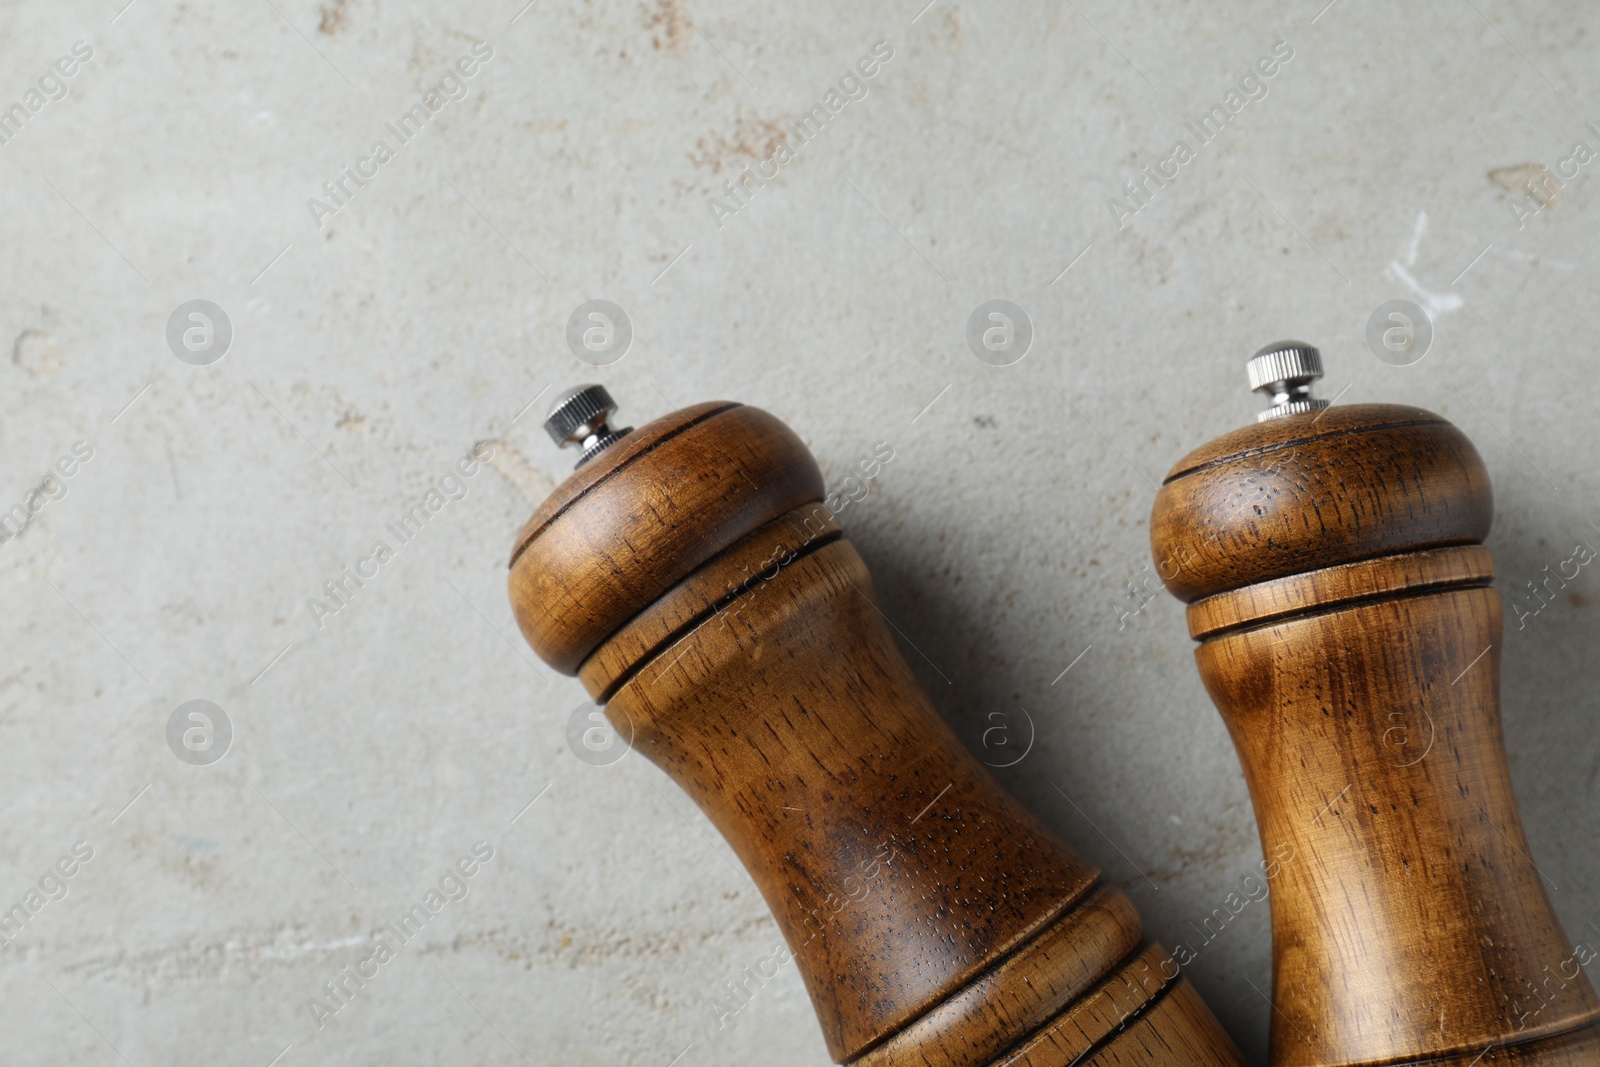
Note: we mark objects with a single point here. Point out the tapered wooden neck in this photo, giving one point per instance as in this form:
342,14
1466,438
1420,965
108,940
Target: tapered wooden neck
691,578
1338,585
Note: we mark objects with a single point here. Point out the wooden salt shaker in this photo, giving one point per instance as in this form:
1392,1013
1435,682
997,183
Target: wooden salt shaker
1334,567
689,575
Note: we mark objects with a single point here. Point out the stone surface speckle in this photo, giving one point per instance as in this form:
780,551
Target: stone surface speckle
374,346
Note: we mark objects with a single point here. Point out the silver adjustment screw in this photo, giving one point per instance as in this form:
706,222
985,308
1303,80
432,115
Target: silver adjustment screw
1284,371
581,417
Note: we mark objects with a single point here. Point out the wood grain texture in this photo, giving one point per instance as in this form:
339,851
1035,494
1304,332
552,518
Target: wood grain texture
1297,494
716,586
1169,1023
1412,926
1026,990
684,489
1296,594
850,774
934,920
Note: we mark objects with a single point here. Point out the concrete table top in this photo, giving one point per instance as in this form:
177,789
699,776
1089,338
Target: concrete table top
392,211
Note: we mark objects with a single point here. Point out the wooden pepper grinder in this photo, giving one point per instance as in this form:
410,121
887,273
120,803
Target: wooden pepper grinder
1337,582
689,575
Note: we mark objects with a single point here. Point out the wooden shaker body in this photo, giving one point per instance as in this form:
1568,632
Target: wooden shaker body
1339,589
692,579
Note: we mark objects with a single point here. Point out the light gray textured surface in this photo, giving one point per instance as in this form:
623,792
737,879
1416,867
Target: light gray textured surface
431,309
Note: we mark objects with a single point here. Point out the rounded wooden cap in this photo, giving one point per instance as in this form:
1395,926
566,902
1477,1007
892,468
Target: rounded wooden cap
640,516
1315,490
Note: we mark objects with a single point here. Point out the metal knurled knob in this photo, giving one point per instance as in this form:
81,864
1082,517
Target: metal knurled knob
1285,371
580,416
